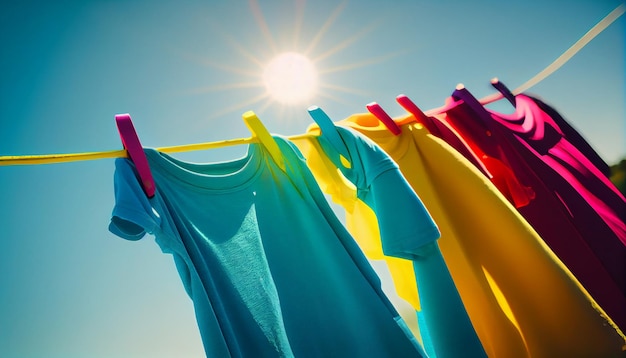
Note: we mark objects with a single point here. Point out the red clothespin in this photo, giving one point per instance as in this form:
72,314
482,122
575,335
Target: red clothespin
375,109
135,152
412,108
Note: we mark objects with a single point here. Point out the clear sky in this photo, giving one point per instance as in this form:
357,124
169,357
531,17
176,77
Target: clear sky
186,71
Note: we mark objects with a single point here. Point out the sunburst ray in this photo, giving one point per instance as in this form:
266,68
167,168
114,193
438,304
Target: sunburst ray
364,63
350,40
260,19
215,29
220,66
331,19
297,26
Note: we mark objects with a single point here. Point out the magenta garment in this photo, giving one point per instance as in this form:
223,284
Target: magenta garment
573,136
576,210
542,134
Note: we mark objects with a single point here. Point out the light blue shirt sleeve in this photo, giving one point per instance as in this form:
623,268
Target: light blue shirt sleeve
133,215
404,222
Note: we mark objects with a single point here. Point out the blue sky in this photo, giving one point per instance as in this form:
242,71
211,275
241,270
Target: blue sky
186,71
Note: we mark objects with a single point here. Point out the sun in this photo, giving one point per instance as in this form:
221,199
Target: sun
289,74
290,78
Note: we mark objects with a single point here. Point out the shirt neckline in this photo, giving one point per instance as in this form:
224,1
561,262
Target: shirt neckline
222,176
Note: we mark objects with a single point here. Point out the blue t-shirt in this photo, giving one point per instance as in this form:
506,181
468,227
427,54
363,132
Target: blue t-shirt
269,267
407,231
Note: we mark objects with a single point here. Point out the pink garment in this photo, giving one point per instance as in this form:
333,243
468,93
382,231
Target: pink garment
572,135
543,137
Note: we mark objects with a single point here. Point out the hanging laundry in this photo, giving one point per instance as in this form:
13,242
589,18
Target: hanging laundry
486,159
366,231
567,211
389,222
572,135
521,299
270,268
542,137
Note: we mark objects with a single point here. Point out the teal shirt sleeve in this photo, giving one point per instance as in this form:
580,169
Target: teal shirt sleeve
406,227
404,222
133,215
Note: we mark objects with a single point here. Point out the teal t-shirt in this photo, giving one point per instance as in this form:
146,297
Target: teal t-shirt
269,267
407,231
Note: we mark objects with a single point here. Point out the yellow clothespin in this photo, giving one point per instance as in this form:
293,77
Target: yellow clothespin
260,133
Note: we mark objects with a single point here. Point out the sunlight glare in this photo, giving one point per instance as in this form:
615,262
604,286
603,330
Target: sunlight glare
290,78
293,77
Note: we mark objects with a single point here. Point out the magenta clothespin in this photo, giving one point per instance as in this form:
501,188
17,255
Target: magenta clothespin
419,115
506,92
462,93
135,152
412,108
382,116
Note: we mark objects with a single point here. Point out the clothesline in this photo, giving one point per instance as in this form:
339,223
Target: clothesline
560,61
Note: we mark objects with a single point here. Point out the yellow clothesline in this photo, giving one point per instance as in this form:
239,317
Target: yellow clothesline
121,153
73,157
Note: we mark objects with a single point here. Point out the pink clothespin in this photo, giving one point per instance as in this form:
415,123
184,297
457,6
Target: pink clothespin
412,108
135,152
375,109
